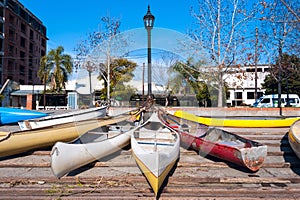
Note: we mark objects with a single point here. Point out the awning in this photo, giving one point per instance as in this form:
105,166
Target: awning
25,92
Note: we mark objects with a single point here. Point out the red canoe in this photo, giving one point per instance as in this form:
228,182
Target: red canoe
217,142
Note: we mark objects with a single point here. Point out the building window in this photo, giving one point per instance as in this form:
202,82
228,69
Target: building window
23,28
10,50
30,74
31,34
42,53
31,47
22,70
30,61
250,95
11,34
10,66
253,69
238,95
22,55
43,43
23,42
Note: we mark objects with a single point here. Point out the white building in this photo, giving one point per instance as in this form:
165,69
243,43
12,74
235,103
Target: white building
241,84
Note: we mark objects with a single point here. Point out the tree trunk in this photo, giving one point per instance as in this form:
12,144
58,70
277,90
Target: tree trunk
220,90
220,96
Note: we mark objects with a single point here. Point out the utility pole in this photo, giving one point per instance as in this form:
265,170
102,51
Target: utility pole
279,77
143,87
255,60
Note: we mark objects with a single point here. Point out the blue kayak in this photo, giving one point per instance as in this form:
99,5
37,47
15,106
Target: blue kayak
13,115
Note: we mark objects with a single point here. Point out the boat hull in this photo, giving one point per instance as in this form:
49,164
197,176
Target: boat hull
13,115
294,137
155,153
155,180
251,158
67,157
218,143
264,122
74,116
21,141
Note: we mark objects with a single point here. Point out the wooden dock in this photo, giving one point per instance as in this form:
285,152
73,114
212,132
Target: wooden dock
29,176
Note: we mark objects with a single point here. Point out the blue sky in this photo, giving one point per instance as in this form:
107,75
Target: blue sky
69,21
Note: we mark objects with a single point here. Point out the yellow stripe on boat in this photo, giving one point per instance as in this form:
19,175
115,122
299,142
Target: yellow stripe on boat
250,123
292,137
154,181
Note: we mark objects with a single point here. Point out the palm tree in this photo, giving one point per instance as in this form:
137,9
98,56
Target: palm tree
43,73
61,66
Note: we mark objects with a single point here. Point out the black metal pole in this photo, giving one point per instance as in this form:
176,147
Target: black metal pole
255,59
91,93
143,87
149,62
279,78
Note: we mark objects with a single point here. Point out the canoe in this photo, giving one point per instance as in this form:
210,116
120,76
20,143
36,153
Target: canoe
21,141
72,116
13,115
155,149
242,122
91,146
294,137
218,143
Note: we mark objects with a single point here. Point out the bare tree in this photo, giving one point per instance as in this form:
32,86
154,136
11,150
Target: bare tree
281,32
281,26
163,64
102,47
291,9
220,29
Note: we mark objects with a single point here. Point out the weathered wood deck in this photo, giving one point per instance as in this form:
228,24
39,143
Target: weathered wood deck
29,176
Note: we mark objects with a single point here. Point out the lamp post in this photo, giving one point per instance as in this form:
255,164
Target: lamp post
149,22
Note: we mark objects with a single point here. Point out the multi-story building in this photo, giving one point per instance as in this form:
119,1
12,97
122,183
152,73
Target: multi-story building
241,84
22,43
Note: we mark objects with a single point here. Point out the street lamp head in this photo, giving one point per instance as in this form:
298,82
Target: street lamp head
149,19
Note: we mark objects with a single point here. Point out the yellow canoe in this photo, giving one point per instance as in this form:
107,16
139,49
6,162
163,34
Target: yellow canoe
21,141
246,122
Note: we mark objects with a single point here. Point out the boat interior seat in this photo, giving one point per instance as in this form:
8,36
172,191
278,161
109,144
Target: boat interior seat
152,141
222,137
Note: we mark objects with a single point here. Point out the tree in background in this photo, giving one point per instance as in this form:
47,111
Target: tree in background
281,34
220,30
121,71
187,74
290,76
59,65
44,74
105,47
54,70
280,27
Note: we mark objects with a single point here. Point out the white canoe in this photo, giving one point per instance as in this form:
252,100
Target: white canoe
155,149
94,145
72,116
294,137
21,141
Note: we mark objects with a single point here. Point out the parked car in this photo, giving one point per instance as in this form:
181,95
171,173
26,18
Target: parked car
271,100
